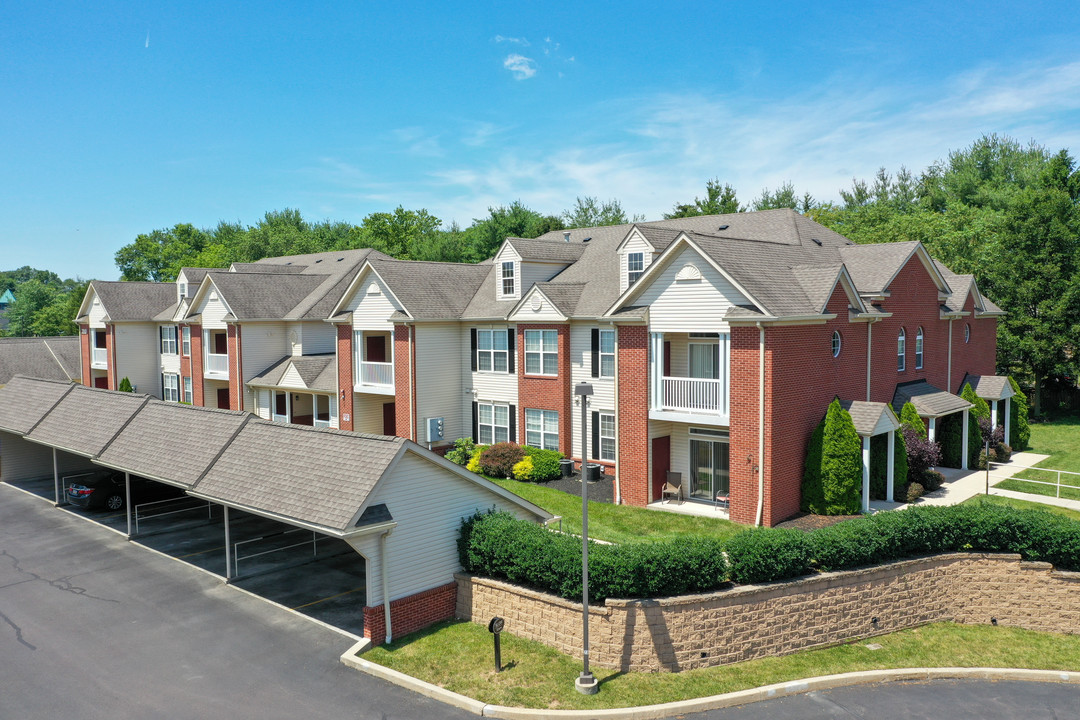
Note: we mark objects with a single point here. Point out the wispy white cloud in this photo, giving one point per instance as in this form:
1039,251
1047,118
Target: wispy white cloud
520,66
512,40
417,141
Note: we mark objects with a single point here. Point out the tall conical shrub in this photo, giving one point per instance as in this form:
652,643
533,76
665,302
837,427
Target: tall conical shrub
980,409
841,462
1019,429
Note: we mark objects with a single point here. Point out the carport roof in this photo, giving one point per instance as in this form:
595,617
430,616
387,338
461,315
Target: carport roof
261,466
85,420
24,401
196,434
928,400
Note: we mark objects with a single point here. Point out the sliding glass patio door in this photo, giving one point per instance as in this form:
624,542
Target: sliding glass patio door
709,464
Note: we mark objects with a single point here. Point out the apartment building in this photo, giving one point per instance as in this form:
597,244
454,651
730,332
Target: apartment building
713,345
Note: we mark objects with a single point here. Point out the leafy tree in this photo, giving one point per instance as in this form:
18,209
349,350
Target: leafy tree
58,317
833,485
157,255
125,386
1020,431
719,200
980,410
590,212
813,496
11,279
31,297
782,197
910,416
485,235
404,234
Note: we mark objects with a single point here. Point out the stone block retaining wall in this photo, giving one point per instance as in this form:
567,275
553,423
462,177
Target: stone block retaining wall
752,621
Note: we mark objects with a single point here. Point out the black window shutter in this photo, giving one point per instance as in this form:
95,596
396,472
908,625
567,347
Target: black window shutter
511,349
475,421
596,435
472,342
596,352
513,423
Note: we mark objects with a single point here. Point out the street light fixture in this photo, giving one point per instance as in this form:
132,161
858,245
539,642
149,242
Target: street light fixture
586,683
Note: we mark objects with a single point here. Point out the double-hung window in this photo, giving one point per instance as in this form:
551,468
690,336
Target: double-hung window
901,351
493,423
607,436
542,352
607,353
508,278
170,387
635,265
919,349
187,390
542,429
491,351
168,340
185,337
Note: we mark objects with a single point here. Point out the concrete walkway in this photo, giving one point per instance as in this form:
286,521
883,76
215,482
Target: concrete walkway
963,484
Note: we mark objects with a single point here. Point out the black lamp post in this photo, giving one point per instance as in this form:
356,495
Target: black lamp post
586,683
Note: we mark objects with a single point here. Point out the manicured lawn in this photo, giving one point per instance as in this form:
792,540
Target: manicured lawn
458,656
1025,505
619,523
1060,439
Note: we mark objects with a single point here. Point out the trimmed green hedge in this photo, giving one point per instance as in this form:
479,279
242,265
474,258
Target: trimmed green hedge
545,463
495,544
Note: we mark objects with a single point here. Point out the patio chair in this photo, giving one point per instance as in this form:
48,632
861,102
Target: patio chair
723,500
673,486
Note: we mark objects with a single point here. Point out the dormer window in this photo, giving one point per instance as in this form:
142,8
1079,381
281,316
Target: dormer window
183,290
635,266
508,277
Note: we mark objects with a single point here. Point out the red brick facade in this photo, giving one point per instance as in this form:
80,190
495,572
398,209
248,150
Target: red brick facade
977,356
110,350
544,392
84,344
197,379
404,398
345,376
412,613
633,414
235,380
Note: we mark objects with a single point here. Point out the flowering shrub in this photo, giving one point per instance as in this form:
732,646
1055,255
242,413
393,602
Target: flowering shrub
523,470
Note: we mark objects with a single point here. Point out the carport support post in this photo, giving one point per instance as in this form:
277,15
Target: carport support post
964,449
127,501
932,432
1008,411
890,476
866,474
56,477
228,547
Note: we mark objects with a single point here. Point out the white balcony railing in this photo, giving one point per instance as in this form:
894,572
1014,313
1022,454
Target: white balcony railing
376,373
99,357
322,423
216,365
701,395
281,418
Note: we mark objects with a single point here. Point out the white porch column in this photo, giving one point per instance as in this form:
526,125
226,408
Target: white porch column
964,443
889,477
866,474
1008,414
656,369
993,415
56,477
932,433
228,546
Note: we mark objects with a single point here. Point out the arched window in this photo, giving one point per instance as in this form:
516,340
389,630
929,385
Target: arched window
918,349
900,350
967,332
836,342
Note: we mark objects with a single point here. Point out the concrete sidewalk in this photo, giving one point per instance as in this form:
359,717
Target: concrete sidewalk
963,484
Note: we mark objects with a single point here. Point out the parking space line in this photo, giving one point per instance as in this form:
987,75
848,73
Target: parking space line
316,602
201,552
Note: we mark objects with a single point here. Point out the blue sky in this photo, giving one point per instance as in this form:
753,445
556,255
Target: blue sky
119,118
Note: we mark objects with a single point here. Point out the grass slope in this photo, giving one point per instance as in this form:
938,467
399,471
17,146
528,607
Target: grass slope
459,657
1060,439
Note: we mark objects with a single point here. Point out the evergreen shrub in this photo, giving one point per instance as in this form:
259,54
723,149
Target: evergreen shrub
1019,429
499,459
545,463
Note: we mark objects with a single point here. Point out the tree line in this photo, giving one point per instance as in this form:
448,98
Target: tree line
1003,211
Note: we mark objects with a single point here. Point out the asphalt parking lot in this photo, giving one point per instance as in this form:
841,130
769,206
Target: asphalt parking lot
93,627
316,575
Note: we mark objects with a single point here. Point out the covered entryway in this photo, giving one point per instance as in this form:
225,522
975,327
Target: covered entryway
874,422
933,404
998,392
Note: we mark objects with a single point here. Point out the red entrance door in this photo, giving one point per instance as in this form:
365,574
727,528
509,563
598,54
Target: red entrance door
223,398
661,463
101,382
375,348
389,419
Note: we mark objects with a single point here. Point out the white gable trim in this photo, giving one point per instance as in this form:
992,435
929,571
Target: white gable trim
633,234
87,302
844,278
525,303
350,291
198,303
666,259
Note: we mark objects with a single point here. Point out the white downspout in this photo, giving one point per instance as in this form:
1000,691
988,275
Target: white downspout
618,431
948,378
385,572
412,402
761,425
869,346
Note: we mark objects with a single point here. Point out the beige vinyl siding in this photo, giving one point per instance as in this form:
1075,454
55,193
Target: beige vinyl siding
138,349
634,244
486,386
96,313
368,412
21,459
263,399
507,254
292,379
689,306
428,503
170,363
603,399
261,345
544,312
438,379
212,310
316,338
534,272
372,305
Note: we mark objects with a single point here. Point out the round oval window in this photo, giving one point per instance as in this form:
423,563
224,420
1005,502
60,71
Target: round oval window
836,342
967,333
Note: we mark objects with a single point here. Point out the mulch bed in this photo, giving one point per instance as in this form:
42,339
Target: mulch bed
601,491
807,522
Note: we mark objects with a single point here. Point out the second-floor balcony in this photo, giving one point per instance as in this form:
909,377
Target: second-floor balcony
689,377
375,377
99,358
216,365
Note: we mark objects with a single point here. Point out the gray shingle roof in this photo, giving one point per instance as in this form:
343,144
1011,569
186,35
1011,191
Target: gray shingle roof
547,250
867,415
52,358
251,296
873,266
565,296
268,268
198,434
263,464
990,387
317,371
134,301
928,400
85,420
24,401
432,290
817,283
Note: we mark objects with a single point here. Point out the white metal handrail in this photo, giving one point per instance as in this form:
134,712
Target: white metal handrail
141,509
376,373
237,557
281,418
217,364
1057,484
99,357
694,394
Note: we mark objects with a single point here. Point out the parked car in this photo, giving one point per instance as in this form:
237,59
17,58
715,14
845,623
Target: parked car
104,490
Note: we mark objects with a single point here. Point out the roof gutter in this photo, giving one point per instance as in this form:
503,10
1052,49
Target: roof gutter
761,425
384,572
